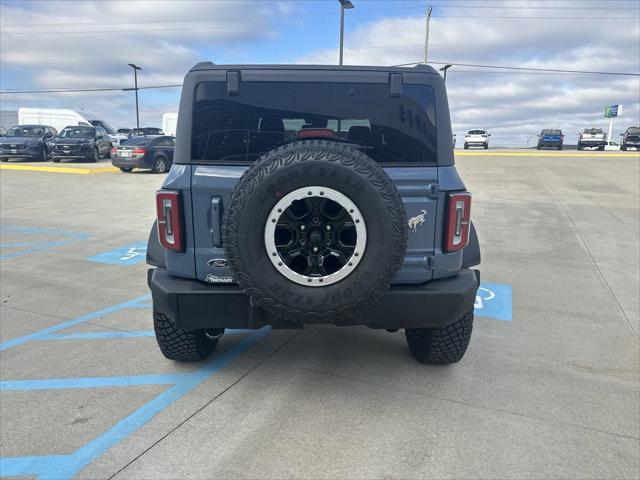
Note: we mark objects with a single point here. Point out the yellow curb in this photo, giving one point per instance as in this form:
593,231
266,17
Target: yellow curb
538,154
74,170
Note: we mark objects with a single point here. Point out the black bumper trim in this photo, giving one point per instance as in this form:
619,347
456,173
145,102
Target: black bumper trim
192,304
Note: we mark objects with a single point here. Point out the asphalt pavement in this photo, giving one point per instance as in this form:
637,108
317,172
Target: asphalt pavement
550,386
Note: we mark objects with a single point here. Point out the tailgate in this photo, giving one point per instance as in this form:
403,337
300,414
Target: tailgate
211,189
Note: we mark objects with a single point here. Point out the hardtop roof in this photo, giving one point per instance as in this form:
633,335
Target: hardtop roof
418,68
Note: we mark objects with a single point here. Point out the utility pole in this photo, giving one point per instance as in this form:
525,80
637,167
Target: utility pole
348,5
426,40
135,83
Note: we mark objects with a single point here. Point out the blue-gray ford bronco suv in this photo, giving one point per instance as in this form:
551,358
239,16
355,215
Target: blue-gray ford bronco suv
313,194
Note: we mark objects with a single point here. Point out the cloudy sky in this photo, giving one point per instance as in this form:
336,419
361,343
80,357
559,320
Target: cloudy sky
88,44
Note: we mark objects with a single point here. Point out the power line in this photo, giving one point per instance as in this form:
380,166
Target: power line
533,69
519,70
78,90
235,27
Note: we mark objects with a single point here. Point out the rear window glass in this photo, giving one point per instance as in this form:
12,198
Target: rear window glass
138,141
264,115
477,132
551,132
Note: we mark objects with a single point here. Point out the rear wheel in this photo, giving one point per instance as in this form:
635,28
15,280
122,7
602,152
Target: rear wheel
486,145
580,146
560,147
441,346
160,165
183,345
126,169
466,147
623,148
43,155
55,160
4,159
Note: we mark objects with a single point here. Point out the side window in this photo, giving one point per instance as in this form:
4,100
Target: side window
165,142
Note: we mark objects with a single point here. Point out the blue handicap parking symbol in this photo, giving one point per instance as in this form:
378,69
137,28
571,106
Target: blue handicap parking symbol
127,255
494,300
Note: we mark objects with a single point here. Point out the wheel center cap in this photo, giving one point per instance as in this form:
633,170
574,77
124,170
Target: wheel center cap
315,237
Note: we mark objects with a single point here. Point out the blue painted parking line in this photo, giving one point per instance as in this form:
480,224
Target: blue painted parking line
33,239
62,326
494,300
179,384
126,255
97,335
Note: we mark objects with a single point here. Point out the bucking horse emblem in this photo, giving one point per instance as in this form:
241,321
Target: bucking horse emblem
416,221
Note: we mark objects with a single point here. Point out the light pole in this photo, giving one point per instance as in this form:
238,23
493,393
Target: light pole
135,80
444,69
344,4
426,39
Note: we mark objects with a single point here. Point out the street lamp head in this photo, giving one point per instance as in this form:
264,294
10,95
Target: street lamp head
346,4
134,66
445,68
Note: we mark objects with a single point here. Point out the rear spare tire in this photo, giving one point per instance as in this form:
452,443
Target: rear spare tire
315,231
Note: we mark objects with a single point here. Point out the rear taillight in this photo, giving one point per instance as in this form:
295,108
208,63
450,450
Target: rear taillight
170,225
458,218
114,151
138,151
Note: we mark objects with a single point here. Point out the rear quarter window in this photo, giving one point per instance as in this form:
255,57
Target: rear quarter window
265,115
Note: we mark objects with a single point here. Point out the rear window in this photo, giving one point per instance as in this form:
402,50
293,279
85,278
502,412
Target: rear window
477,132
593,131
264,115
551,132
138,141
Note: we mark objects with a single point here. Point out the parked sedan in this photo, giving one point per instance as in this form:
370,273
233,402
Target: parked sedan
26,141
151,152
80,142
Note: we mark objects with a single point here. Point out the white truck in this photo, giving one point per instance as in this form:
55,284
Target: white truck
169,122
59,118
592,138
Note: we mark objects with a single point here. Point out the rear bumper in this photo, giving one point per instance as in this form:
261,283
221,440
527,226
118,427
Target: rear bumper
592,143
192,304
130,162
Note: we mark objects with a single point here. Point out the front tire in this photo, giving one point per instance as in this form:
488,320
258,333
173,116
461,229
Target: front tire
441,346
466,147
96,156
181,345
486,146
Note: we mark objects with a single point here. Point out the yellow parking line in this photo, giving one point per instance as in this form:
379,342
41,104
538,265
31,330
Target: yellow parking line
75,170
539,154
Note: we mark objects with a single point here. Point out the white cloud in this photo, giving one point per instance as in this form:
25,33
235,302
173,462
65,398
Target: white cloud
34,54
514,106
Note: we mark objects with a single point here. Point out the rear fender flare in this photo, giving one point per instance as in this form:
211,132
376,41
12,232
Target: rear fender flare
471,253
155,251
